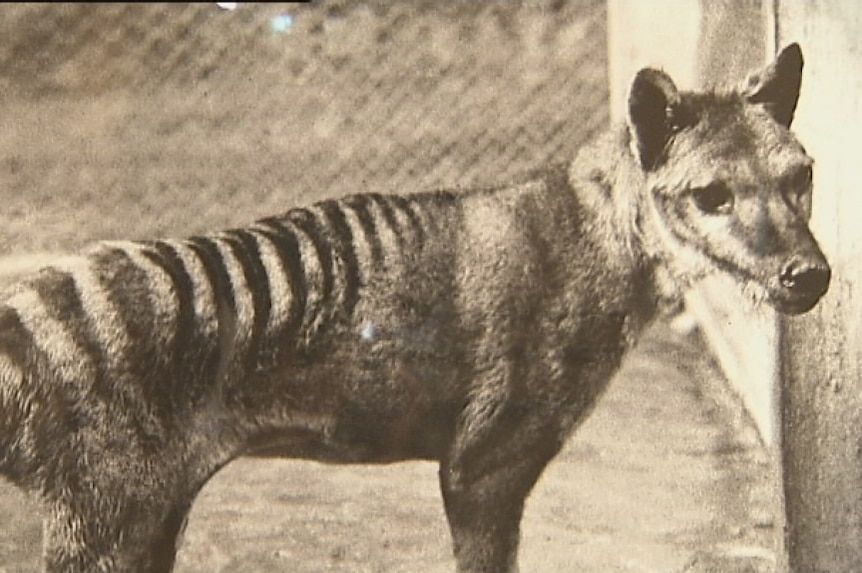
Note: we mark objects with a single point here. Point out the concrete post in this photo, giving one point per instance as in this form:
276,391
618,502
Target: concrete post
822,352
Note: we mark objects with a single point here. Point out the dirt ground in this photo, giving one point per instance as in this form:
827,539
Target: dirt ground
666,477
111,130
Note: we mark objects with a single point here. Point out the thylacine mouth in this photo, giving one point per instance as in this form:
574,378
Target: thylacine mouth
795,304
781,299
790,299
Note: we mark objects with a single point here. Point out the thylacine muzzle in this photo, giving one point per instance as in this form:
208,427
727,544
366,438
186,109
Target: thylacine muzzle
798,275
728,186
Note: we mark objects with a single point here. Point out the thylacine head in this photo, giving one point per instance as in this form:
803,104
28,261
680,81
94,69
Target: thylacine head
707,181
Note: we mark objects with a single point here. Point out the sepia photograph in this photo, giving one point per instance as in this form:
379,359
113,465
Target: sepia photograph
435,286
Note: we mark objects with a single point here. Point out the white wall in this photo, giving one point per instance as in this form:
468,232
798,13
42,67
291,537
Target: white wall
822,351
705,44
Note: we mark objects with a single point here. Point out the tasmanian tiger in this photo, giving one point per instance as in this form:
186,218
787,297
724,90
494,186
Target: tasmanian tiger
476,328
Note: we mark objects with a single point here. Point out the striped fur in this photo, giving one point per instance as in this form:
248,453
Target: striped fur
213,309
476,328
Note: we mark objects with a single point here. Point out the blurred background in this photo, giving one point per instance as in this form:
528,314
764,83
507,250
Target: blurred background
134,120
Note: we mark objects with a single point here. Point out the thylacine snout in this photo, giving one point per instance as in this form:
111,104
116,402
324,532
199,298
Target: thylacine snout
729,186
803,280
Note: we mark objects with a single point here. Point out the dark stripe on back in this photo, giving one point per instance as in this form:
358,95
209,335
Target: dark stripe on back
60,297
247,252
341,239
305,221
16,343
127,288
408,206
165,256
15,340
390,218
360,205
287,248
217,274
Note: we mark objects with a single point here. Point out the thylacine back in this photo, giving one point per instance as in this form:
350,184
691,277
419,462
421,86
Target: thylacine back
476,328
340,287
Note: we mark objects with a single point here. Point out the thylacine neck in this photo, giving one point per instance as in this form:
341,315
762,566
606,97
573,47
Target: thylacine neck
611,185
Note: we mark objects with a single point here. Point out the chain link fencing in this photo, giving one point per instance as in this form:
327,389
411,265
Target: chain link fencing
135,120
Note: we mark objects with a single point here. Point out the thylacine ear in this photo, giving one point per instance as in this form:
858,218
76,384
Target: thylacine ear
655,114
776,87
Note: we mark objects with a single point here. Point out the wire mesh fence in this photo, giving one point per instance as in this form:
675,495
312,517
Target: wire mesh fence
139,119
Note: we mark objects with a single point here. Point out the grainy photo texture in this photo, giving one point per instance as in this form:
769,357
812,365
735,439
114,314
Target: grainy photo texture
400,304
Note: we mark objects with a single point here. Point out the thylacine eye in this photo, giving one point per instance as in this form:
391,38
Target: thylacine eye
796,190
713,199
800,180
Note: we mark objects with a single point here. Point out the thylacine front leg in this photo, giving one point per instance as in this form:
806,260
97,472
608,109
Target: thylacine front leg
484,497
498,454
516,418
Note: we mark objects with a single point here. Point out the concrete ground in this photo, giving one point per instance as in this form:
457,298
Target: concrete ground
667,476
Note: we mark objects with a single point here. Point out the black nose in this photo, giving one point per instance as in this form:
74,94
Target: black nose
806,277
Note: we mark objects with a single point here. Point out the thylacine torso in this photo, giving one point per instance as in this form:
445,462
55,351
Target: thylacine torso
476,328
347,331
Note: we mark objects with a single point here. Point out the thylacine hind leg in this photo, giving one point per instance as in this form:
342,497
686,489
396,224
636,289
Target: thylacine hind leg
142,536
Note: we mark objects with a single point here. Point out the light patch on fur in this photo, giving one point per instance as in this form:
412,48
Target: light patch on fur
103,318
279,285
387,235
203,293
312,283
52,337
368,332
241,291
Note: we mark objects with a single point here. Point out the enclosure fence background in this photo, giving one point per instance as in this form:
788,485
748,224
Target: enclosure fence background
178,119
